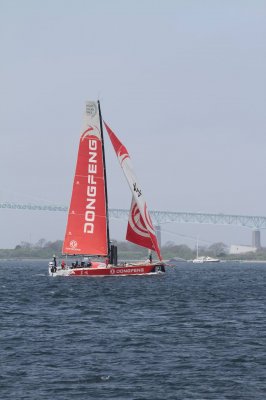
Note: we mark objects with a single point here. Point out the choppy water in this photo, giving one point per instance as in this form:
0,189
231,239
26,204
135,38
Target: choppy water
199,332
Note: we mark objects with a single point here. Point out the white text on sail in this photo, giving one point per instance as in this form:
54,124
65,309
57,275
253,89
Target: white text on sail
91,188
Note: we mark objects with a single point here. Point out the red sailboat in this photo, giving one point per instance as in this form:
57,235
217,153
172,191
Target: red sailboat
87,230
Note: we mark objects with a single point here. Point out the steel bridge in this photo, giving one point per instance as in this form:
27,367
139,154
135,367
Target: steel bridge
161,217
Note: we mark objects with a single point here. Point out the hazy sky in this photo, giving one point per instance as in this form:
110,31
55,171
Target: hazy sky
182,83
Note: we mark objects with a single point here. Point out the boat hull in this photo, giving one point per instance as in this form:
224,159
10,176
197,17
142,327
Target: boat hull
120,270
205,260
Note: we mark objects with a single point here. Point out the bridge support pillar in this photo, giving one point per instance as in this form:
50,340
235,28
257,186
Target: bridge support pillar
158,234
256,239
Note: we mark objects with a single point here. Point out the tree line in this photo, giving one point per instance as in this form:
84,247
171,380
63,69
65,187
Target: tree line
128,251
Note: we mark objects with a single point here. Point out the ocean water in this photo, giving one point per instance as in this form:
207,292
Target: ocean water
198,332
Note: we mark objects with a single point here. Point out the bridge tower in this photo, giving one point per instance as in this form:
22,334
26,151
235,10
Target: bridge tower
256,239
158,234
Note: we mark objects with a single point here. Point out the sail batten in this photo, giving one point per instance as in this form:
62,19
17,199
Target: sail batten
140,229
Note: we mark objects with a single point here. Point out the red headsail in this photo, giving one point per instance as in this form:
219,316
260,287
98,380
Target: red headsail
140,229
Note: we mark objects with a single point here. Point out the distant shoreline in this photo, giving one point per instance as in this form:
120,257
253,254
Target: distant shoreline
177,261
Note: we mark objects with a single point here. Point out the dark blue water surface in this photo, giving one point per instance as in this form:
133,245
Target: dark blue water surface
199,332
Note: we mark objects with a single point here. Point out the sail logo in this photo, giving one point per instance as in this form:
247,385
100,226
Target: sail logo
136,189
92,130
91,108
136,221
122,155
73,244
91,187
141,224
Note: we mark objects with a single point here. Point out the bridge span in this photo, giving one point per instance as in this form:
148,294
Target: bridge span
163,217
160,217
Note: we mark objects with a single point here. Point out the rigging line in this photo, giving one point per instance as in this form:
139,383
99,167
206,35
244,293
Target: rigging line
194,238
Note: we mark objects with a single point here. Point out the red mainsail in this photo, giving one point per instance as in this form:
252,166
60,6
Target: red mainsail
140,229
86,231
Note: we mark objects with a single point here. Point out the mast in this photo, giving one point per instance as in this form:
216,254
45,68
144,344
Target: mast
105,180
